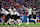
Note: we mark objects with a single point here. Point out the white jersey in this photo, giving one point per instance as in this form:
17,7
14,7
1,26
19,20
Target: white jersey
11,13
16,13
34,12
4,11
29,11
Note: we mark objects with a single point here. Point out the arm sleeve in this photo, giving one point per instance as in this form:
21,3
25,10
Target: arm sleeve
18,15
9,10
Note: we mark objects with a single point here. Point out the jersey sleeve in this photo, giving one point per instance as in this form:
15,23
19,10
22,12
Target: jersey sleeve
31,8
9,9
18,14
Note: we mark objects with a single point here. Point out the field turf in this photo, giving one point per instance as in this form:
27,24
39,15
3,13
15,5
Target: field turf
22,25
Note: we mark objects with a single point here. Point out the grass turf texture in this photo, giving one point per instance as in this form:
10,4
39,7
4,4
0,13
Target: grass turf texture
22,25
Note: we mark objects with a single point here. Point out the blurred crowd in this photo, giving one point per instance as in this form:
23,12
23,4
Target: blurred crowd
19,3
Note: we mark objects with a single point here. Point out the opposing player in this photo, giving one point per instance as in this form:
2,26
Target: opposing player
17,17
34,14
11,15
5,13
2,18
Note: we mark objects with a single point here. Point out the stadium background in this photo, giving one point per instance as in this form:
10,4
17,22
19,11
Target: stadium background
17,3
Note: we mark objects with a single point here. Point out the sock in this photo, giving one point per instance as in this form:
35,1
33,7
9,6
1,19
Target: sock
27,20
8,24
3,23
19,24
14,23
35,20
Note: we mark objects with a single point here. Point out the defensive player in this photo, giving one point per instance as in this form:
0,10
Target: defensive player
11,15
4,12
34,14
17,17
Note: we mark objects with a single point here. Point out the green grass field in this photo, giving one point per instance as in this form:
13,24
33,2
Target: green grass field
22,25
